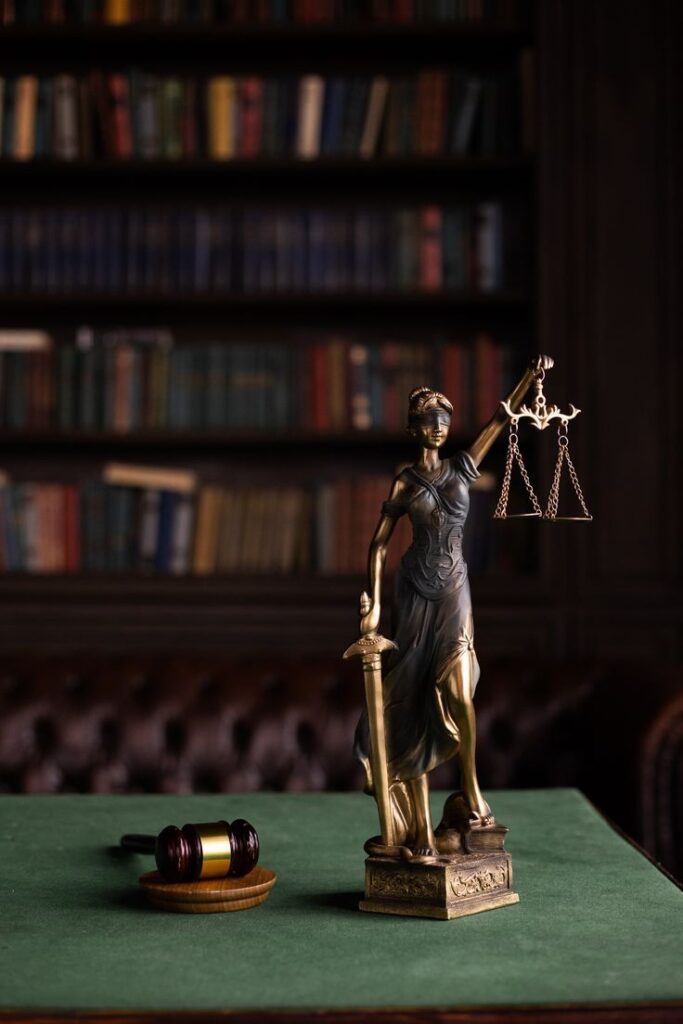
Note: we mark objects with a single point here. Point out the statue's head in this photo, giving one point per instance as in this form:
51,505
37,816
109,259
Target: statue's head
429,417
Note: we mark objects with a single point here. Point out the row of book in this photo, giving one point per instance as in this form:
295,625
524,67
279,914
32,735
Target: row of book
138,115
109,526
260,12
126,381
163,250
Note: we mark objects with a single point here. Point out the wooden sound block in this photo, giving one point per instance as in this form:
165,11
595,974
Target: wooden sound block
211,896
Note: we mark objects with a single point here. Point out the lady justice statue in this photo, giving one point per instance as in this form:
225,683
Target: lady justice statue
421,714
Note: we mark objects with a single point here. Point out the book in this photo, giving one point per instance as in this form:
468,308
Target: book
25,100
207,531
182,481
164,549
311,96
182,535
221,117
72,528
145,101
65,117
116,12
20,340
488,246
431,269
43,142
464,116
131,380
121,134
148,528
250,135
377,102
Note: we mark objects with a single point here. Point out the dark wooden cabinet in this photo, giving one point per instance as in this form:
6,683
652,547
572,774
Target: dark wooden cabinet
609,290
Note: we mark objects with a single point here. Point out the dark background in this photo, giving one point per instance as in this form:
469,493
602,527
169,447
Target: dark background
603,603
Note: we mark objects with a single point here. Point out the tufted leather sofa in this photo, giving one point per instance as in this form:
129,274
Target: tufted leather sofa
165,724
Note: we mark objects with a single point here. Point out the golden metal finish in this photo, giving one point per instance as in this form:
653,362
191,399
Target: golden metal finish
369,647
508,408
554,496
461,867
540,414
515,455
217,852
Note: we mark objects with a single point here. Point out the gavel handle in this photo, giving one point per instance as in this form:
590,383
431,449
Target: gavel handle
139,844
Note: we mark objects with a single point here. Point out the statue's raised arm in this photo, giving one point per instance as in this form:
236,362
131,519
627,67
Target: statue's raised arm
493,429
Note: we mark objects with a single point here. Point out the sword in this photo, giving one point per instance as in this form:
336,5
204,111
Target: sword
370,648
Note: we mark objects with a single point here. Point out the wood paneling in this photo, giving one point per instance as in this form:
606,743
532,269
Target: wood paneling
610,90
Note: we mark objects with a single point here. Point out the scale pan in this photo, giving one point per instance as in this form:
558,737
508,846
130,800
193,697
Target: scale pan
521,515
568,519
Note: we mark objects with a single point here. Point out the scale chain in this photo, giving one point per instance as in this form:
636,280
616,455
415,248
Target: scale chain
577,485
514,455
554,495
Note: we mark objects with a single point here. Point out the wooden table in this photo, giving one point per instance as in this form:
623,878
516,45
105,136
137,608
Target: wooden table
597,936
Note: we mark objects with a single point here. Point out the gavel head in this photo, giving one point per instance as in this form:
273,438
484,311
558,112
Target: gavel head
212,850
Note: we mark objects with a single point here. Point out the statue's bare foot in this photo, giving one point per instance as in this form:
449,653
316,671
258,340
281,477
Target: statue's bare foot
484,822
425,851
424,855
480,814
425,845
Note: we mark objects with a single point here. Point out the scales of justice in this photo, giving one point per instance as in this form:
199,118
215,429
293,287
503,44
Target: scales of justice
421,712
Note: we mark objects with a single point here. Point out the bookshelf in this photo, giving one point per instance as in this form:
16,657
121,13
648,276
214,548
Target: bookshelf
305,611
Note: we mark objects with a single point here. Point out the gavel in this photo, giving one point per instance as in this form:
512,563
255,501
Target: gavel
196,852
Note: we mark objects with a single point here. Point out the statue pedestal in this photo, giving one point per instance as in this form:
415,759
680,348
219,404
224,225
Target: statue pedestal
454,884
464,884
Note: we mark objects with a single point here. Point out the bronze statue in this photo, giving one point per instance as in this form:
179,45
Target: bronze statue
421,714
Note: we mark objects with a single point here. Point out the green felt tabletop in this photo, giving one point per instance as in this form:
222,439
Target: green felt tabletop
596,922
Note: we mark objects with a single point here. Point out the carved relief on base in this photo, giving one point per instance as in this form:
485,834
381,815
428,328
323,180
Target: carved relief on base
452,887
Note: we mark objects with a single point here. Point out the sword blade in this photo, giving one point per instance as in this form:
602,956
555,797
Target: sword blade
374,698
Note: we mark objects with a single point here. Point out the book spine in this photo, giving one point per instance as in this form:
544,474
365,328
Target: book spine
488,242
311,96
431,262
3,152
116,12
148,528
221,117
148,105
375,114
72,560
181,541
251,95
26,100
8,117
190,120
172,121
359,383
15,536
464,123
31,528
43,128
119,112
165,533
66,117
4,551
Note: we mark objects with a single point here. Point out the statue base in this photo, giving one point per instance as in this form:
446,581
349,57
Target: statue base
465,884
472,873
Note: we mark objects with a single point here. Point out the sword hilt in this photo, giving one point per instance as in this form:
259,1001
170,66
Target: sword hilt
370,644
